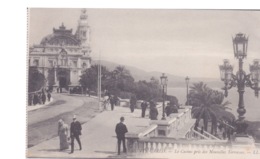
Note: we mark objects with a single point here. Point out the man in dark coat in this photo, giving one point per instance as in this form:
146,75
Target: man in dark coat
43,98
35,99
49,96
112,102
120,133
75,131
133,101
143,106
153,111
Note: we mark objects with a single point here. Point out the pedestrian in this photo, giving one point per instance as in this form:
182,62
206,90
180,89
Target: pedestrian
143,106
35,99
40,98
63,133
43,98
30,99
112,102
105,102
153,111
49,96
133,101
88,92
168,109
121,129
75,132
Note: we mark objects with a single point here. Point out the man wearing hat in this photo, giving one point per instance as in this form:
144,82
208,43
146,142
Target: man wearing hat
120,133
75,131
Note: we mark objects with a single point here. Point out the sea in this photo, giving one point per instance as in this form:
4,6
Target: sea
252,103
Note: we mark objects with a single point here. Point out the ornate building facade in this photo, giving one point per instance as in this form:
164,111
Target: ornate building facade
62,56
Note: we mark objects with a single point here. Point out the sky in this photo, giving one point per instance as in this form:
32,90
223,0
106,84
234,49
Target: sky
181,42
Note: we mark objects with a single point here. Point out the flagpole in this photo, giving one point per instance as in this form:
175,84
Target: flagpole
99,83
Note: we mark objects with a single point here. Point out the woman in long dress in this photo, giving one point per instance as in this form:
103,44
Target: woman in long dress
63,134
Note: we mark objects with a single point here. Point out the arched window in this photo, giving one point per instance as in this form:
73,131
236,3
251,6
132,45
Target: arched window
84,65
51,63
75,64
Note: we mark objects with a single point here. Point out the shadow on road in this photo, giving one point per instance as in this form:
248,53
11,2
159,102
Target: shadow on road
106,152
56,150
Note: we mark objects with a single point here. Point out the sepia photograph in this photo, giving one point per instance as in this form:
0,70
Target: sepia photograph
142,83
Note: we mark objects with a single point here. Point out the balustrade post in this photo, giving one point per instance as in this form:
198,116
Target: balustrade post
132,143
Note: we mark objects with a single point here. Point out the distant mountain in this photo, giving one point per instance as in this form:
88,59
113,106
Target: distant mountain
173,80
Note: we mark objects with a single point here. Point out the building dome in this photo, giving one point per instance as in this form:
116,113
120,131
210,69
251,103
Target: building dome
61,36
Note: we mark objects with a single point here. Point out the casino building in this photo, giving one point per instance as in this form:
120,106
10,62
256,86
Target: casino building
62,56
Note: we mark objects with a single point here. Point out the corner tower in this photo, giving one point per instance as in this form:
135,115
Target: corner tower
83,30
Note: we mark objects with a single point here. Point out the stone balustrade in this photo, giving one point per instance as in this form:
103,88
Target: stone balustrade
174,123
167,145
208,135
133,138
178,125
177,132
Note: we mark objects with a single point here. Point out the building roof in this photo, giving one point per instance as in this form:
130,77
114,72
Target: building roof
61,37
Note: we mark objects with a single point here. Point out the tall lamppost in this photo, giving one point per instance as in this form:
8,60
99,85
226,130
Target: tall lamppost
240,79
187,80
164,81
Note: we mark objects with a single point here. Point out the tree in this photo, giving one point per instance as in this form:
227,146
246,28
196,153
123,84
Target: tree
121,83
148,90
123,78
36,79
90,76
207,105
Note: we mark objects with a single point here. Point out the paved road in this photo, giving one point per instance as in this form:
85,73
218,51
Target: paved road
42,123
98,136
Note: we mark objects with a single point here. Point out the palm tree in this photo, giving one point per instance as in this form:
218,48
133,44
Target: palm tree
221,115
207,105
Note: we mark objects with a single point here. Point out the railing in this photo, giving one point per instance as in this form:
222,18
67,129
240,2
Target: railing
175,124
133,138
166,145
230,126
149,132
207,134
197,135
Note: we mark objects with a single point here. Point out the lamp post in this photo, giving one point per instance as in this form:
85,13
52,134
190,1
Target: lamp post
240,79
187,80
164,81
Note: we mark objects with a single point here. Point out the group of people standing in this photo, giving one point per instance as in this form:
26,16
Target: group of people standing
39,98
111,100
65,138
153,109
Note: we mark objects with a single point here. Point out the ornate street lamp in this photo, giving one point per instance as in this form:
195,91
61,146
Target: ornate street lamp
187,80
164,81
255,76
240,79
226,75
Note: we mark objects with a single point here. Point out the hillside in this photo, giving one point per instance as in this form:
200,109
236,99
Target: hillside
173,80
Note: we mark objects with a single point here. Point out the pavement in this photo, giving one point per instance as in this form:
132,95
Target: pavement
98,136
